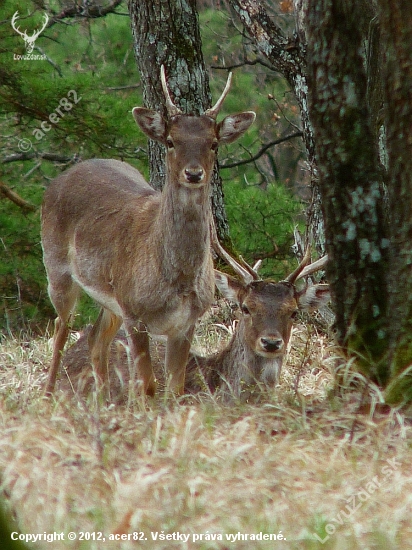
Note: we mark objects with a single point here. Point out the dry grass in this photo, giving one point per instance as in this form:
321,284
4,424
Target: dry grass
296,462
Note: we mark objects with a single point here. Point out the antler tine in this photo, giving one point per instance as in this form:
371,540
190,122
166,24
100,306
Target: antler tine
247,274
214,111
315,266
305,269
293,277
252,270
170,106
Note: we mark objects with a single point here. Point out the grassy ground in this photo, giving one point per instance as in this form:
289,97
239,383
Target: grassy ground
309,467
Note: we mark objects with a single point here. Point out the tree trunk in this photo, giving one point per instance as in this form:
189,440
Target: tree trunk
396,25
350,182
166,32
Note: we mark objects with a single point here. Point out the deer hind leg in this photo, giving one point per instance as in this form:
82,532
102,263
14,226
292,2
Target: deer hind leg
142,364
63,296
100,338
177,355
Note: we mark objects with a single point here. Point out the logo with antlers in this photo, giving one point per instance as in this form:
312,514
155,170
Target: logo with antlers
29,40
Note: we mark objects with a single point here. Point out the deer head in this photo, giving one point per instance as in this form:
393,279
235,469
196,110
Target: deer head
190,163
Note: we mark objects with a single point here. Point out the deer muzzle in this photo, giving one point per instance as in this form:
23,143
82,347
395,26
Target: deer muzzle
194,176
271,345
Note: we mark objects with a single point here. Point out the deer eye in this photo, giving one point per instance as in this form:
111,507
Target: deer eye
245,309
169,143
294,314
215,145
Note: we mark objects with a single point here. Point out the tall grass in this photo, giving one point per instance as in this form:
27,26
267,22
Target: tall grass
292,464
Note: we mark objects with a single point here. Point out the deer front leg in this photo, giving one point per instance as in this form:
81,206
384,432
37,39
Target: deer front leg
138,339
61,333
177,355
100,338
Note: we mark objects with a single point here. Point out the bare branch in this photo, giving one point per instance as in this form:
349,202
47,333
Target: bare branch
46,156
77,9
120,88
242,64
49,60
262,151
14,197
278,48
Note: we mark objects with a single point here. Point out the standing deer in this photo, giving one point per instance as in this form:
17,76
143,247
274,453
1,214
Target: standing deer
144,256
255,353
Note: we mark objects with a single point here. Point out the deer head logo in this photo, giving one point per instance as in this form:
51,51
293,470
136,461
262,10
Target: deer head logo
29,40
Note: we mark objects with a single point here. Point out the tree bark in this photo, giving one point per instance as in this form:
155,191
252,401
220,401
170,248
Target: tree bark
396,25
166,32
350,182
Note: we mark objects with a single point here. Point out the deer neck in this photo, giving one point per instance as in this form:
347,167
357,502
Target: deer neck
183,229
236,354
241,363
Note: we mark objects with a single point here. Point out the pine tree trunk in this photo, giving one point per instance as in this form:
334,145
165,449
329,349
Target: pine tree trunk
167,32
396,25
350,181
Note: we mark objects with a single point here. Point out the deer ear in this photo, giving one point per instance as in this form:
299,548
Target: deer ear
150,122
313,297
233,126
229,287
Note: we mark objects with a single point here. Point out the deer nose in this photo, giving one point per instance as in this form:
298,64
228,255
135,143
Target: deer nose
194,175
271,344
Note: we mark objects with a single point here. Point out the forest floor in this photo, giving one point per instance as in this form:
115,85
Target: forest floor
320,462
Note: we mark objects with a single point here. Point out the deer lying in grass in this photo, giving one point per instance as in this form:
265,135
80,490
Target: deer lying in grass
144,256
256,351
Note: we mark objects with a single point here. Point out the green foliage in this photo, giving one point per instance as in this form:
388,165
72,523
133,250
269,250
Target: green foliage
24,299
262,223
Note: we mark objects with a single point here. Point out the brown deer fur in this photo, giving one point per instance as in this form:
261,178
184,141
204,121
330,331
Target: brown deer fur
254,356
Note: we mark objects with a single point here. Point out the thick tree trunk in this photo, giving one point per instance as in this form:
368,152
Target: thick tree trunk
350,182
167,32
396,25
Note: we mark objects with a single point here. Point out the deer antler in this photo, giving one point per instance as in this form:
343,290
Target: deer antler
305,268
170,106
214,111
245,271
249,274
294,276
315,266
173,110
